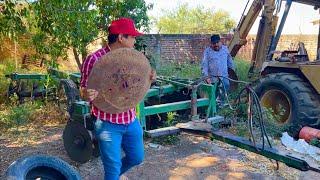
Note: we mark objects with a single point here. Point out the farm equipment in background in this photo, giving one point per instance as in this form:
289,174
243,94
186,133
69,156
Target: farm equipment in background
29,86
78,136
38,86
166,95
288,84
289,77
193,98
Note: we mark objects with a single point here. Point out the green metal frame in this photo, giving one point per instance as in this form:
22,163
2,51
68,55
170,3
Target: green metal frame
81,108
54,74
175,85
169,86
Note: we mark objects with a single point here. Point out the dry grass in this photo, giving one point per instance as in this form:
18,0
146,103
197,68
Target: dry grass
41,121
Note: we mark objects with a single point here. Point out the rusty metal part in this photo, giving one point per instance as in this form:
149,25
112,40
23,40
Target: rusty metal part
309,133
279,102
122,78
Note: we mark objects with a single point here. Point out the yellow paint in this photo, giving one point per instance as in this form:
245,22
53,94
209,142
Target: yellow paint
312,73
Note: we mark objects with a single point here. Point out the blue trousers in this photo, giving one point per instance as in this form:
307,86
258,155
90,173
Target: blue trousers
114,137
222,89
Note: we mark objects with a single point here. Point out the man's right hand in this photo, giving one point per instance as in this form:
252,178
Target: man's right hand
88,94
208,81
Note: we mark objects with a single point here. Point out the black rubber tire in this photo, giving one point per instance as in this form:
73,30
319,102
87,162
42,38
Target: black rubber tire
305,102
43,167
71,91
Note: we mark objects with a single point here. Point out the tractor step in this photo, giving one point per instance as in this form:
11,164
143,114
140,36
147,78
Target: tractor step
162,131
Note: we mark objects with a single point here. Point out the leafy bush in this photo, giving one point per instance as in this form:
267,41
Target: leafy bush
242,68
180,70
15,116
5,68
272,122
171,117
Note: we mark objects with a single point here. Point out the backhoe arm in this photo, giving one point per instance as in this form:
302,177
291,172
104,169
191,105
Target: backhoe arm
244,26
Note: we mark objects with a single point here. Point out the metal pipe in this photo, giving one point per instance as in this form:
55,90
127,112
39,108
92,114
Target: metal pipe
275,40
173,82
194,102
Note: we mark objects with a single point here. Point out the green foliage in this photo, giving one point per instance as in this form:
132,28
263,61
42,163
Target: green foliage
241,129
242,68
141,45
166,140
171,117
11,19
272,122
15,116
187,20
315,142
57,26
64,24
181,70
6,68
171,120
135,9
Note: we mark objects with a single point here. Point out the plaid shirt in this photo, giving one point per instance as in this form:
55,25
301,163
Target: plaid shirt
121,118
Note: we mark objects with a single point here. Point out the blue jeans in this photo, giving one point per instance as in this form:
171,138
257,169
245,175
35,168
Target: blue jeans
113,137
223,88
225,84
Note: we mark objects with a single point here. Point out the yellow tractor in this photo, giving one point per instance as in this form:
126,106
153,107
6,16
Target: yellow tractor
288,83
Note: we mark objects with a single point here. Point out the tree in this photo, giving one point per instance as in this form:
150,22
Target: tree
11,21
197,20
57,26
63,25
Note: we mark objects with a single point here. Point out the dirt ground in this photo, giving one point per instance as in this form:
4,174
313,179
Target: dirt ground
191,157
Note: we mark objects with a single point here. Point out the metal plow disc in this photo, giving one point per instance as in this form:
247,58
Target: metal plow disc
122,78
77,142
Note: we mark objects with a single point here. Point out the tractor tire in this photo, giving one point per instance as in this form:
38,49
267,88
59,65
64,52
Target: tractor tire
68,93
300,102
41,167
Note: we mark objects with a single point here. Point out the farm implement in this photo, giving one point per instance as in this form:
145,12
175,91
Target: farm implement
193,100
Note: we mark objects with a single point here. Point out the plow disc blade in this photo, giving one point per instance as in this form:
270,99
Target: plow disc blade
77,142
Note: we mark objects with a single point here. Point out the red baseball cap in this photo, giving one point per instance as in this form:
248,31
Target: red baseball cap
124,26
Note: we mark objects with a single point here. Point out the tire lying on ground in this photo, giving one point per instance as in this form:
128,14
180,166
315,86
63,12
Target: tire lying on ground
289,92
41,167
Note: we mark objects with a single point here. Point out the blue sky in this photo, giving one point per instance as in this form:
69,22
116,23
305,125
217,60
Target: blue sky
298,21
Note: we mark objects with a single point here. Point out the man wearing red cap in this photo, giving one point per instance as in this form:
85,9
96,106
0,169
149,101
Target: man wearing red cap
115,131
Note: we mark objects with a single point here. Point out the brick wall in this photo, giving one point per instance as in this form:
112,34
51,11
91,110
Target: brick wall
177,47
180,47
189,47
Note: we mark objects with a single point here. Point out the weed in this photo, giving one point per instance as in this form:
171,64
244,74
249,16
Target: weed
6,68
241,129
180,70
166,140
272,122
171,117
15,116
242,68
170,139
315,142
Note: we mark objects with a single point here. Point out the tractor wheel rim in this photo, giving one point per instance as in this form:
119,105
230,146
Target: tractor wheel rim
279,102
